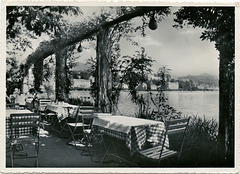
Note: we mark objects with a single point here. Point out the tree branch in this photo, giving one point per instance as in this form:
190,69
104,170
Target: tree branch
48,48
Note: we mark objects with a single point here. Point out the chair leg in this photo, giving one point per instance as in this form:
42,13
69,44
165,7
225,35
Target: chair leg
11,154
37,152
105,154
111,144
72,135
179,155
42,121
86,142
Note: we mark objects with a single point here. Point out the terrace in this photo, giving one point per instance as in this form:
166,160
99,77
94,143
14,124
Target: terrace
130,135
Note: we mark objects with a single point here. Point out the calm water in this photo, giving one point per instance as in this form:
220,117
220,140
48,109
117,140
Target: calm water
189,103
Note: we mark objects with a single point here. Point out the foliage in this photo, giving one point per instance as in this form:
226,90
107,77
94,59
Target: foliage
27,23
134,70
201,138
187,85
93,63
49,90
219,27
215,21
14,75
38,19
120,30
164,111
85,74
48,69
79,101
218,24
200,146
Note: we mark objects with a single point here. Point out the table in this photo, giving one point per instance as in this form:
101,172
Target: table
8,113
135,132
62,110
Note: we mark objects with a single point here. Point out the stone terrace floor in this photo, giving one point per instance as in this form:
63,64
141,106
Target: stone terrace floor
55,152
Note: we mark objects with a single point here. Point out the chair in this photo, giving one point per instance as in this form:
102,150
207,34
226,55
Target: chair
71,123
24,130
42,103
174,128
83,111
12,106
90,138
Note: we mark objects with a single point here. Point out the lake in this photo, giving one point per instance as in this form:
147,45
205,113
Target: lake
201,103
189,103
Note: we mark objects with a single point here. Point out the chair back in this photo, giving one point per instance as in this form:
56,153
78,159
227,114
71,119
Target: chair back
175,128
86,114
86,111
24,124
42,103
12,106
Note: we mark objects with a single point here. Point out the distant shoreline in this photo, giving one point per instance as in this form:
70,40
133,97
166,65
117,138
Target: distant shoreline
88,89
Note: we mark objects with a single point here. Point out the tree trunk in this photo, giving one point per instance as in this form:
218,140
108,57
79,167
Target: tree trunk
226,108
38,72
104,75
62,81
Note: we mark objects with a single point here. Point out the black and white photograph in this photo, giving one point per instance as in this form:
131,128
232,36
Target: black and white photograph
108,86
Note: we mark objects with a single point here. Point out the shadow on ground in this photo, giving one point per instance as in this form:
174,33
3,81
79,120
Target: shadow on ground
55,152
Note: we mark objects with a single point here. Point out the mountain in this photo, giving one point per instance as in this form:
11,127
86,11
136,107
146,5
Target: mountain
80,66
202,79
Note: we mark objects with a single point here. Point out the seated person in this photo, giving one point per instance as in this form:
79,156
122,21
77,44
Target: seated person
30,98
42,93
8,100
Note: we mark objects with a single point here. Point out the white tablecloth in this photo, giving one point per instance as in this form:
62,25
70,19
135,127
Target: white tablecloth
63,110
122,123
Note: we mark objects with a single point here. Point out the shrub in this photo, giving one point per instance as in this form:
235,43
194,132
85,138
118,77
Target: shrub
79,101
201,146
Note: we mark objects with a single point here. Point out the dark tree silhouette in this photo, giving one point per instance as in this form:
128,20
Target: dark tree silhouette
219,25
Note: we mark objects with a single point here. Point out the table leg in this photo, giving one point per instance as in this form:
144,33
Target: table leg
112,151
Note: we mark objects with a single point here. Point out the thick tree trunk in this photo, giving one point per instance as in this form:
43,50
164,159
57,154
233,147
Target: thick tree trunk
104,77
38,73
62,81
226,108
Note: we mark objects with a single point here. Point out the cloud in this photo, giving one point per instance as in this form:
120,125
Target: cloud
148,41
190,31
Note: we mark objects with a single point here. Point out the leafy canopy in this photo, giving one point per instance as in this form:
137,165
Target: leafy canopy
38,19
217,22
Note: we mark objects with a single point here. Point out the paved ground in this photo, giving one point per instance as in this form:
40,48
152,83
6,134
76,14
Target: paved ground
55,152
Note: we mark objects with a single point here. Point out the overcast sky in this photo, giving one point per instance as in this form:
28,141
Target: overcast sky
181,50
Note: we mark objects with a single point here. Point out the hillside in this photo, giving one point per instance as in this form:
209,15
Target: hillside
202,79
80,67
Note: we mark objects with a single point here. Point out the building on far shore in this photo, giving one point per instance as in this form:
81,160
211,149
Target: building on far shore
81,84
81,89
172,85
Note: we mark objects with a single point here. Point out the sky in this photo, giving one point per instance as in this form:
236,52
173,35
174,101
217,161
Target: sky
181,50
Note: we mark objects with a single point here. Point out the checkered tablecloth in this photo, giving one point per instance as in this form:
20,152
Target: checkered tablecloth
63,110
8,113
134,131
